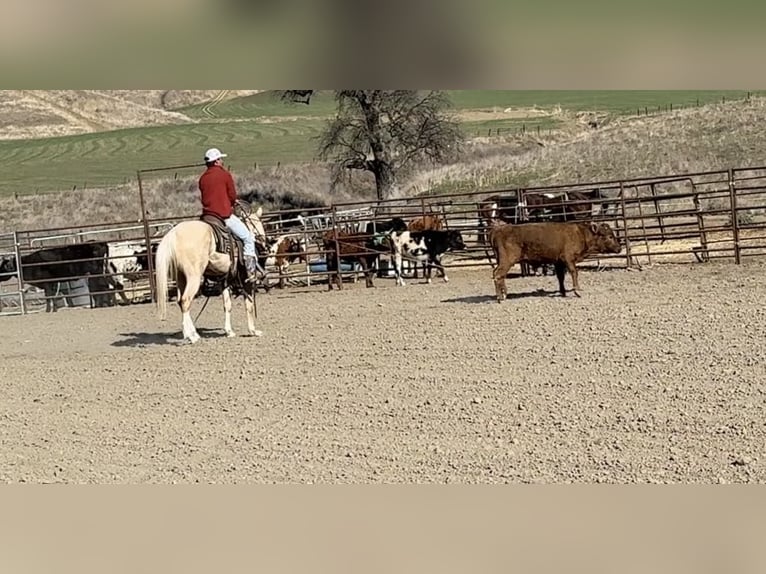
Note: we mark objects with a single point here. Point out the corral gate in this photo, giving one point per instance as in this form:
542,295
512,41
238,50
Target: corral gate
11,286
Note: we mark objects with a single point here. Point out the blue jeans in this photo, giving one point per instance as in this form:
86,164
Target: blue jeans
239,229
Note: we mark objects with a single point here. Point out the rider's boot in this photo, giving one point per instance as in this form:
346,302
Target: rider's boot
253,269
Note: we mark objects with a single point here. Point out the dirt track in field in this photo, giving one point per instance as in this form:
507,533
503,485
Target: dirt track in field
651,376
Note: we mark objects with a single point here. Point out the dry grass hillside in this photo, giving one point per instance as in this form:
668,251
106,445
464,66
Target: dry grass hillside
710,137
27,114
274,188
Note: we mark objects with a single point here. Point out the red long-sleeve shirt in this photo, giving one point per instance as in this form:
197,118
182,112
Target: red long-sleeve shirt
217,192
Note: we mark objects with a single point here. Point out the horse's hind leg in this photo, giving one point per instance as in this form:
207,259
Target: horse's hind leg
250,310
226,294
187,289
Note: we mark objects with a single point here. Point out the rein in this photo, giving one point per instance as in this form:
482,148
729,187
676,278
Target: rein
245,209
203,308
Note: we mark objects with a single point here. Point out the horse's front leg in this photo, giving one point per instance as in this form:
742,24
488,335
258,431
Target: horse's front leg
226,295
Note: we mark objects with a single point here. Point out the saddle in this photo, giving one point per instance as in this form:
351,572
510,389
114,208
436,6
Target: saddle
226,242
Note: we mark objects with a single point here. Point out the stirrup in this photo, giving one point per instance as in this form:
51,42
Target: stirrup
256,276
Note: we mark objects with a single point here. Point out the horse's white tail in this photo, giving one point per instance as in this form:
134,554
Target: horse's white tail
164,260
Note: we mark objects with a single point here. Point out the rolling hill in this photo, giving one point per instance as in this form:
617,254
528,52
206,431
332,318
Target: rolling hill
515,138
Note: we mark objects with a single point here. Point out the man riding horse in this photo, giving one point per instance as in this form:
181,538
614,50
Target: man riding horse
218,196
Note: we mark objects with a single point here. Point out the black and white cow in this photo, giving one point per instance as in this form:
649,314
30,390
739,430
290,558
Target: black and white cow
424,247
126,260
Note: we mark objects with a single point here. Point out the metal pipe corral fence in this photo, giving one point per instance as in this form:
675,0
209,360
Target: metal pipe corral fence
691,218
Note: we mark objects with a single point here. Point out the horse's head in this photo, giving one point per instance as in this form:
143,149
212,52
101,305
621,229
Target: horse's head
252,219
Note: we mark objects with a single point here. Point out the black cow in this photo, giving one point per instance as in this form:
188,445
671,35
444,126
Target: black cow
381,227
495,210
45,268
424,247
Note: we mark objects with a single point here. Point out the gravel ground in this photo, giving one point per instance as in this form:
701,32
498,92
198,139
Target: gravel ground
651,376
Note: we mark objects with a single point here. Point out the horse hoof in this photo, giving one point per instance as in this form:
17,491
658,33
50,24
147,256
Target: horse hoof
256,333
231,334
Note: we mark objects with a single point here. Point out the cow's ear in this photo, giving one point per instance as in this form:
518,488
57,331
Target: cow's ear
594,227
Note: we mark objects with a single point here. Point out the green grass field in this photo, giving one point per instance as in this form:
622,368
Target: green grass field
620,102
102,159
265,104
95,160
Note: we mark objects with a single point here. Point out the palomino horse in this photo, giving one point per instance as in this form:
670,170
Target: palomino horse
190,250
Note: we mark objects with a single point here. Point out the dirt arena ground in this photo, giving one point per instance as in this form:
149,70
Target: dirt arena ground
652,376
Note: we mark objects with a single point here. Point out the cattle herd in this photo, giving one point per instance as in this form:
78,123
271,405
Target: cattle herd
538,230
105,265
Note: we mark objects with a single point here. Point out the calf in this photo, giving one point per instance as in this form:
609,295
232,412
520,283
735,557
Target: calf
563,244
424,246
284,251
45,268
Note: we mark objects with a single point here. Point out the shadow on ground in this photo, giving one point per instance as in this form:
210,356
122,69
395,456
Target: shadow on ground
477,299
173,338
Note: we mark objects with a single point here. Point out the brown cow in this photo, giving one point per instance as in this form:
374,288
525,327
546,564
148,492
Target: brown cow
430,221
563,244
353,247
563,206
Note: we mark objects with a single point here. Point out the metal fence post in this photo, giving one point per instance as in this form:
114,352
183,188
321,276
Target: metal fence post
734,218
625,223
19,272
337,250
147,240
700,223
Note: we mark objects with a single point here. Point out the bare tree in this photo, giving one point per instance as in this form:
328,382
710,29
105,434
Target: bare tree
386,132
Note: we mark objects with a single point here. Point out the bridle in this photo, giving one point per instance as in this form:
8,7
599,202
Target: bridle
245,210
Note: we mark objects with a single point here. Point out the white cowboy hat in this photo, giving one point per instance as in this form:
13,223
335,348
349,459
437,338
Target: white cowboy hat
213,154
